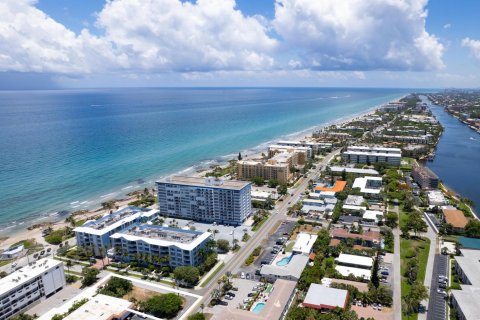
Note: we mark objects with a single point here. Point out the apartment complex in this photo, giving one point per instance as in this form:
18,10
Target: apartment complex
296,155
315,146
157,244
365,154
425,177
205,199
30,284
96,233
270,169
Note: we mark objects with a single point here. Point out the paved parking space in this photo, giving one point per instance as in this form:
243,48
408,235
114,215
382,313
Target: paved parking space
437,303
386,271
244,288
59,298
369,312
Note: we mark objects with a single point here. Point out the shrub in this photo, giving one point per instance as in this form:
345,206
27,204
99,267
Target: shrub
163,306
117,287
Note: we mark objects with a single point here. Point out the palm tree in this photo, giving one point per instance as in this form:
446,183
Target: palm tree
202,306
68,264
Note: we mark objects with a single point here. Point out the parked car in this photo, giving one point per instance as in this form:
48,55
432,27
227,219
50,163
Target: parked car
231,294
251,294
242,275
234,289
223,303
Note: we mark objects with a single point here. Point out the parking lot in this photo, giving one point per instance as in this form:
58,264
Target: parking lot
245,287
437,303
385,271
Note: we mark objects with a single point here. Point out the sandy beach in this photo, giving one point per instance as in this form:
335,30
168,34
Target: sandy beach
17,235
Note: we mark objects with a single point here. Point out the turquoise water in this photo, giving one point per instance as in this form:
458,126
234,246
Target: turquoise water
469,243
284,261
259,307
66,150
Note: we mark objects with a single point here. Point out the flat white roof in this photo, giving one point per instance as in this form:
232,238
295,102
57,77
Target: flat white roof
325,297
163,236
353,170
351,207
357,272
374,148
313,201
354,200
362,184
25,274
469,262
294,268
304,242
354,259
327,193
468,299
307,208
371,215
100,307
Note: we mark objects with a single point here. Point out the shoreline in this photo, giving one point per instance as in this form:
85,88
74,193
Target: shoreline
13,232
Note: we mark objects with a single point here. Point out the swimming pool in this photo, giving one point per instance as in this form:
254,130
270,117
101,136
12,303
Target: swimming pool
259,307
283,262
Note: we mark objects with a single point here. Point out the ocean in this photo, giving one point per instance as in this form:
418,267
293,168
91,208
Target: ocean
66,150
457,159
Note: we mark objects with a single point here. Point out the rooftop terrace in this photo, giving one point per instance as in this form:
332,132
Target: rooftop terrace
110,219
209,182
163,233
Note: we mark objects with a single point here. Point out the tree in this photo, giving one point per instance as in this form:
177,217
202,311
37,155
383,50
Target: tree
163,306
391,220
187,275
117,287
282,189
258,181
68,264
223,245
344,175
472,229
375,280
273,183
417,293
89,276
416,223
239,156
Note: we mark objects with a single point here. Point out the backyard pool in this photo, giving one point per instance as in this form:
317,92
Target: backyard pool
284,261
259,307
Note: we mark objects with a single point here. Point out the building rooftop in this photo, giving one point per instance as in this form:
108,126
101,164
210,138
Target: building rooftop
373,236
455,217
354,200
469,262
210,182
304,242
114,220
366,262
354,170
468,299
375,149
101,307
323,297
163,236
27,273
362,183
294,268
337,187
357,272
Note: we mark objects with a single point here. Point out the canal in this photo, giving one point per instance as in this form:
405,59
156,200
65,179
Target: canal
457,160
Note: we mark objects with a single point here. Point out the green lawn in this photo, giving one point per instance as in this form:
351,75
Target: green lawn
407,251
289,246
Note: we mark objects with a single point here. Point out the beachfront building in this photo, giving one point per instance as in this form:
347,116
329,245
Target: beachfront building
300,154
321,297
365,154
315,146
96,234
276,168
205,199
425,177
160,245
30,284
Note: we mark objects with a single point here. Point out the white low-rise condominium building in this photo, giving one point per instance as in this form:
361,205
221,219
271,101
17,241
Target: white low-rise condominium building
96,233
365,154
159,245
30,284
205,199
315,146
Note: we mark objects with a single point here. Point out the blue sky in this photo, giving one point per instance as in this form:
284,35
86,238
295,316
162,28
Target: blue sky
375,43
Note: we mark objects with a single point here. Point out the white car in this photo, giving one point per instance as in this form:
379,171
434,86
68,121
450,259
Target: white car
242,275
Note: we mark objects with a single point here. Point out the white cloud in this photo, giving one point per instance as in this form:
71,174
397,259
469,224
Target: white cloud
358,34
447,26
474,46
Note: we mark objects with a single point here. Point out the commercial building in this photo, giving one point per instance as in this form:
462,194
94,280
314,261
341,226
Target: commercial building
96,233
321,297
163,245
30,284
456,219
465,301
270,169
304,243
425,177
364,154
205,199
315,146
